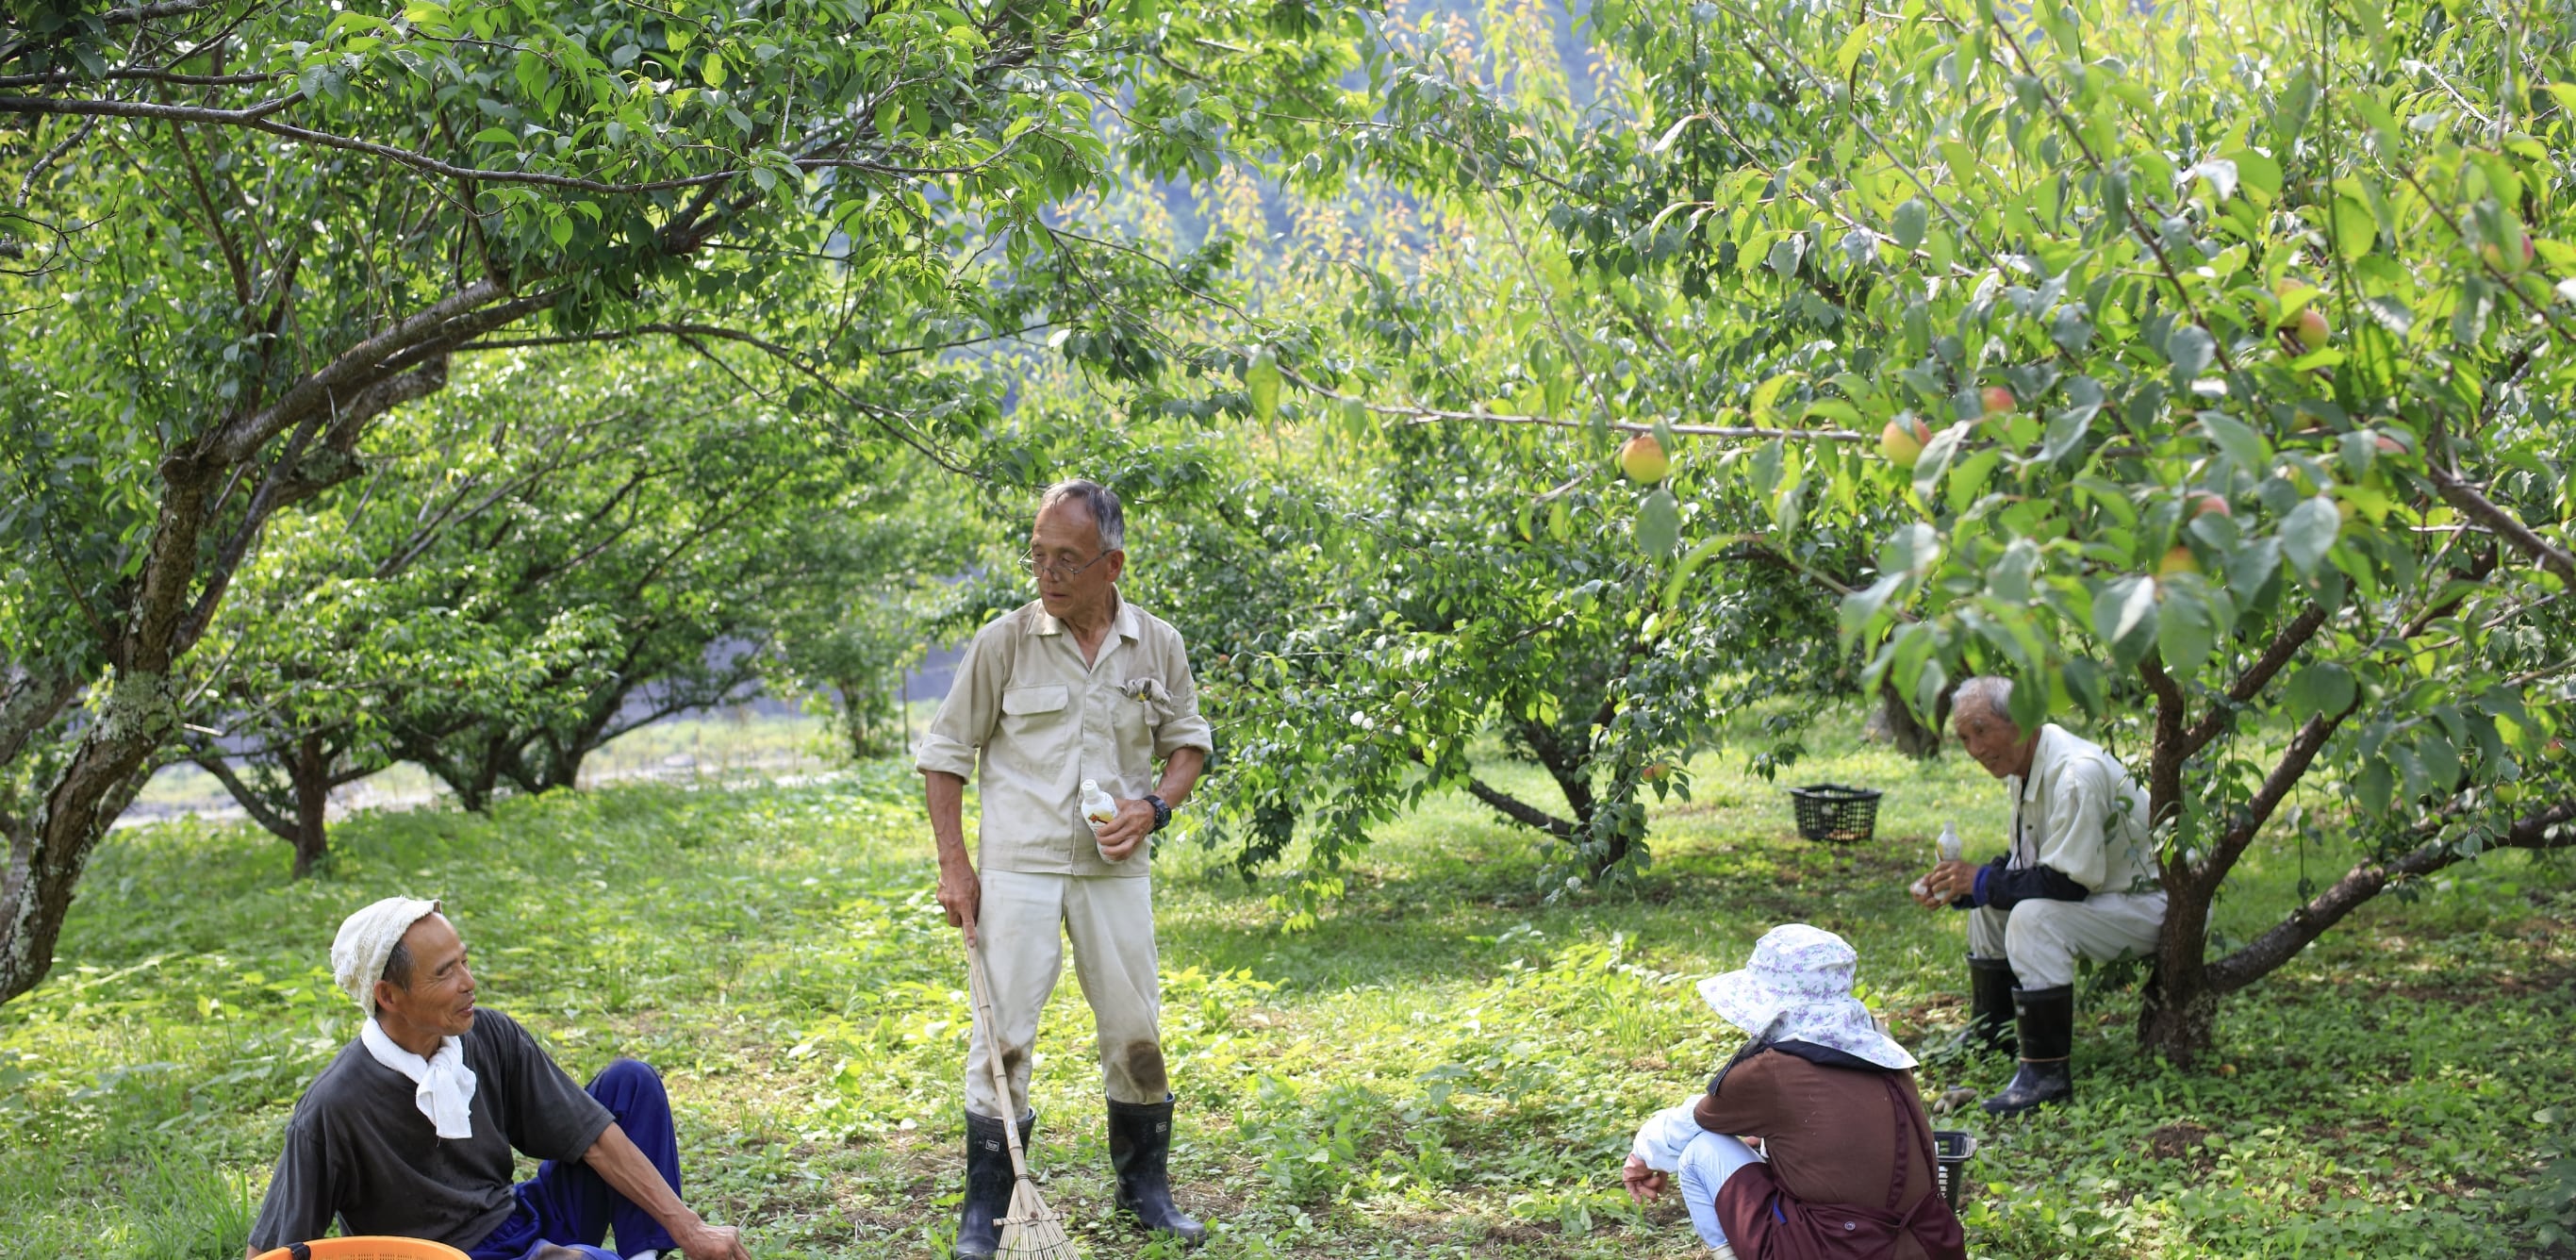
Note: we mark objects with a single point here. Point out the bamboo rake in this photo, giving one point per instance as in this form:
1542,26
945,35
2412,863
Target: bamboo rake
1032,1230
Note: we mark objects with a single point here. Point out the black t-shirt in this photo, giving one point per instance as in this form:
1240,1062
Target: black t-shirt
358,1147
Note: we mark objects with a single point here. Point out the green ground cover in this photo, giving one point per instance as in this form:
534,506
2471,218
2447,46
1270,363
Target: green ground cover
1446,1064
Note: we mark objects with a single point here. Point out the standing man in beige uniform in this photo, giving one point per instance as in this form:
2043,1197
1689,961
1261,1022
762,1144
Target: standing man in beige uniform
1077,685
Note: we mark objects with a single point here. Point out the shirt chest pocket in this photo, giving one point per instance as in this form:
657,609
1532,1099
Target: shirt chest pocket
1038,725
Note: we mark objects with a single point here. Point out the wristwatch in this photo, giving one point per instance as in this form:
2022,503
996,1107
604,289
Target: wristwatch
1162,812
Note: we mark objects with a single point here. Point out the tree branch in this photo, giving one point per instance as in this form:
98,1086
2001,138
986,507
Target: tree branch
2541,829
2165,755
460,316
2283,648
297,478
2286,773
211,760
259,118
1513,808
2477,507
1431,414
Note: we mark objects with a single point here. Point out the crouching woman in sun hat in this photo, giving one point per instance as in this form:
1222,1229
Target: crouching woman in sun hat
411,1130
1846,1168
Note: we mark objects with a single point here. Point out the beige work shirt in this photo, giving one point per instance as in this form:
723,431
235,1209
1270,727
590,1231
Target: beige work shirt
2082,814
1038,720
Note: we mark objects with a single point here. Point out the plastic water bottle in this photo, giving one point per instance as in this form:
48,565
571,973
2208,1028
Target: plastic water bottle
1097,809
1945,849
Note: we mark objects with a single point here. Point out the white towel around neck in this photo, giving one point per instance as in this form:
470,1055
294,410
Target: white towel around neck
446,1085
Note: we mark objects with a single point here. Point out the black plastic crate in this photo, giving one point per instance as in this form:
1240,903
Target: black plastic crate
1835,813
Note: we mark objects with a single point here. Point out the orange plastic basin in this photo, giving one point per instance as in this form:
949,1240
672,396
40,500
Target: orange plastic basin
365,1247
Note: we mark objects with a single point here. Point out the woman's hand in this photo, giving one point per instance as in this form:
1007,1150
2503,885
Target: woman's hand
1644,1184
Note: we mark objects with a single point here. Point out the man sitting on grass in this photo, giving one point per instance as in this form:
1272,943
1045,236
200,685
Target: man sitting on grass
409,1131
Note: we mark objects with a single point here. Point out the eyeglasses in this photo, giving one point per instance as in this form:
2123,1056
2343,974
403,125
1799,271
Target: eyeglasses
1036,565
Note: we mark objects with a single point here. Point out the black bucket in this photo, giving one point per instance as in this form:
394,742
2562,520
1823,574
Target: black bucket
1952,1149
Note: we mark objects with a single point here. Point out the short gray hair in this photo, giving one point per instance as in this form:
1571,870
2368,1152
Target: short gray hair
1990,692
1100,500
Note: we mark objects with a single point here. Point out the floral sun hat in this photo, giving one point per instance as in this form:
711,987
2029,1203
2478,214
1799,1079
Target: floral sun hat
1798,987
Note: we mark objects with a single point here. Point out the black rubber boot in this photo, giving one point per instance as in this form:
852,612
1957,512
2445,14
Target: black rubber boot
1140,1148
2047,1027
1990,1011
989,1181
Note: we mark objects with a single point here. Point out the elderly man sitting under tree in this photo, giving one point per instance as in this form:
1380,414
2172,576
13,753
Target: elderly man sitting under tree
410,1130
2079,880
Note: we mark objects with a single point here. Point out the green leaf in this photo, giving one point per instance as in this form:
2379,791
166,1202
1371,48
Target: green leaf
2359,449
1935,459
2374,785
2068,425
1659,523
2440,757
1863,604
2309,533
2242,446
1766,394
2192,350
2355,227
2256,173
1970,477
1912,548
2322,688
1689,565
1261,380
530,71
2008,578
2072,327
2120,612
2183,633
2084,683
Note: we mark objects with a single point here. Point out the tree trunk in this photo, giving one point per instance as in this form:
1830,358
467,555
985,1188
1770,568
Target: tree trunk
310,770
1904,733
2181,1010
858,730
2180,1014
51,849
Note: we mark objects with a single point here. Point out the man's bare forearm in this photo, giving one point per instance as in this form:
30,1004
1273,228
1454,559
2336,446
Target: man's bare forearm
945,795
617,1161
1180,774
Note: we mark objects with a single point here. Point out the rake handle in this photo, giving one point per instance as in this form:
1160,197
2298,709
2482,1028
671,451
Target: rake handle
981,988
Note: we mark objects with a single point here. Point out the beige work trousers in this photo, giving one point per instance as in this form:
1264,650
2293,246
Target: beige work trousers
1022,925
2042,939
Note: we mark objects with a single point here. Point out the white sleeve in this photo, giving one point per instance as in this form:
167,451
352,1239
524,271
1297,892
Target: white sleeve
1661,1138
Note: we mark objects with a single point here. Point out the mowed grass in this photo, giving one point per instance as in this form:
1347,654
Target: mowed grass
1449,1063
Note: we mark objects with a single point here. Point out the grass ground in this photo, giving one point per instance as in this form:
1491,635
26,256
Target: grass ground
1447,1064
